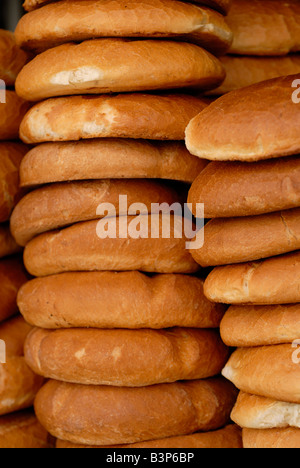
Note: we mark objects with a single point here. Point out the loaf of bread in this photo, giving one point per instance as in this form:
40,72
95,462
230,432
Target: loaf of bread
125,358
118,300
249,238
256,412
19,385
12,113
228,437
244,326
58,205
75,20
23,431
138,243
271,438
118,65
12,277
221,5
268,371
271,27
271,281
109,159
14,332
11,155
230,189
145,116
266,126
242,71
12,58
8,245
103,415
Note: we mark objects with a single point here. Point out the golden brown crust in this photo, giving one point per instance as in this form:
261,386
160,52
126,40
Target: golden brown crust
104,300
220,5
12,113
268,371
266,127
125,358
118,65
244,326
59,205
75,20
12,277
109,159
269,28
238,240
243,71
23,431
12,58
8,245
271,281
256,412
14,332
11,155
230,189
129,415
271,438
79,248
18,385
228,437
123,116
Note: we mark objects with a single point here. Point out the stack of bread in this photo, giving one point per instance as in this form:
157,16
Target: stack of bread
18,383
266,42
123,332
251,191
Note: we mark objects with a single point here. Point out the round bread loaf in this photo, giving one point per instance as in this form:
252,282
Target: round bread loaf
230,189
268,371
18,385
14,332
255,412
23,431
237,240
220,5
228,437
244,326
12,113
271,281
118,65
133,243
8,245
109,159
59,205
125,358
146,116
11,155
12,58
12,277
271,27
271,438
103,415
266,127
118,300
75,20
243,71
